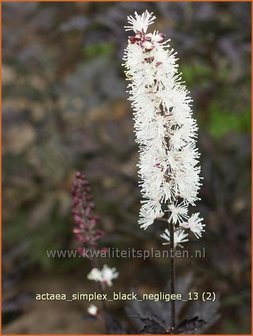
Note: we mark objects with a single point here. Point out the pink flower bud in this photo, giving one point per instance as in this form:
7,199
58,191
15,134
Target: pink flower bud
159,38
138,36
148,37
148,45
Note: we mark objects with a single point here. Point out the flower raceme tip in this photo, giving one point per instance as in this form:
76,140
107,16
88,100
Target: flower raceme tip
140,23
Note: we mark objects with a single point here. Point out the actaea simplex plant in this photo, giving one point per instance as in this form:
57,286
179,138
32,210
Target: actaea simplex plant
168,169
166,134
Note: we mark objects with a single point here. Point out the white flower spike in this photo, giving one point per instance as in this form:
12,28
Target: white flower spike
165,130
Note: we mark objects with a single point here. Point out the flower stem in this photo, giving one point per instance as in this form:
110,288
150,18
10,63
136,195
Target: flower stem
172,279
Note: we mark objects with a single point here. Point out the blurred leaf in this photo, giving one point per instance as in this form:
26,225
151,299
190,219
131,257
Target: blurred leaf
195,72
98,49
223,122
190,326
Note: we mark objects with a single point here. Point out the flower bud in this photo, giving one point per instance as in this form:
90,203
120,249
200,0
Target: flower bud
148,46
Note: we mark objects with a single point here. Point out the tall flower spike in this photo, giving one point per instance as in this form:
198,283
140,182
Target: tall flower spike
85,220
165,130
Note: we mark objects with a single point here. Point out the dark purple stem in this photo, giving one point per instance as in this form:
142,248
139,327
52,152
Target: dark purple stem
172,279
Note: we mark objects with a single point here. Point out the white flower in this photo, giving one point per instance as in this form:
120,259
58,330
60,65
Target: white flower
104,276
108,274
195,225
95,274
178,212
140,22
179,237
164,127
145,222
149,211
92,310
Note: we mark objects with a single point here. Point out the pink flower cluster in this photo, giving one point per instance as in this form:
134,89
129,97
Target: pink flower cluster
85,219
147,41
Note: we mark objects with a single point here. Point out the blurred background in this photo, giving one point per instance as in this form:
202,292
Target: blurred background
65,109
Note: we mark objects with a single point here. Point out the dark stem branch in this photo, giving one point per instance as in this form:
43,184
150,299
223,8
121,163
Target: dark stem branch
172,278
162,219
172,244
